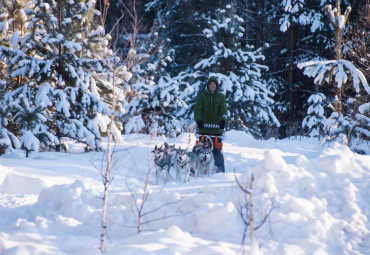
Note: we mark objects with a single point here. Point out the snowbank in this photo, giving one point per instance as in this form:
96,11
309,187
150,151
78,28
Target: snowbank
316,199
14,183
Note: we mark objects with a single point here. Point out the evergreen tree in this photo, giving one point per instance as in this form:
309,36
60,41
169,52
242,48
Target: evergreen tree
356,48
157,94
235,64
99,46
340,73
31,121
298,32
185,21
13,21
357,38
102,87
315,119
154,110
8,136
51,55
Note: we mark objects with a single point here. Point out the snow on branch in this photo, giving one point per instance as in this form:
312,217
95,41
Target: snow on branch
340,70
364,108
335,17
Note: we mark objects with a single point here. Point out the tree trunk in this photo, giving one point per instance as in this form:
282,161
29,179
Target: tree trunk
338,33
259,34
338,23
292,46
104,212
338,55
59,135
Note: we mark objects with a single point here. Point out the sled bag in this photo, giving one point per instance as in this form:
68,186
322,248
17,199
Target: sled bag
217,142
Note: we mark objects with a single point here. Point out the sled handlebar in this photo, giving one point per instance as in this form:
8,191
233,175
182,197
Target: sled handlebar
211,126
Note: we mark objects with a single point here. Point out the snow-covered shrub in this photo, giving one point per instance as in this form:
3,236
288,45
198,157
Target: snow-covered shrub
315,119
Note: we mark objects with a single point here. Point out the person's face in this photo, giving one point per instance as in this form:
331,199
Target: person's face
212,87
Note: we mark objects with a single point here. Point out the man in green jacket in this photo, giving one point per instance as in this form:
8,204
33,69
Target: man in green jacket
210,113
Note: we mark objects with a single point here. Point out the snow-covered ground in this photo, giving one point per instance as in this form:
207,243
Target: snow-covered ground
317,200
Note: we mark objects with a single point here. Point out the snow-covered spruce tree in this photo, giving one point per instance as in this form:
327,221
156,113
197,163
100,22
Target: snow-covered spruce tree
315,120
340,73
157,100
102,87
184,22
235,64
8,133
301,32
357,44
301,12
5,33
13,22
357,39
52,55
13,19
31,121
294,17
100,45
189,82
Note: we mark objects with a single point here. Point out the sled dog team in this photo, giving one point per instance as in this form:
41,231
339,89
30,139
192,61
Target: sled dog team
199,161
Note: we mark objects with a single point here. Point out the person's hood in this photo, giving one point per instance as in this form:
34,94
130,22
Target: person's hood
212,78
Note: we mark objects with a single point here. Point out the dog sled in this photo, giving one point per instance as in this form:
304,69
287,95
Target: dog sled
217,146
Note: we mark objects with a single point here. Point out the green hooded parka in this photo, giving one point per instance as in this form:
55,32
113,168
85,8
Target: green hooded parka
210,109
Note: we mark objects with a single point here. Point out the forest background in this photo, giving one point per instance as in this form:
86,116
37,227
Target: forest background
287,68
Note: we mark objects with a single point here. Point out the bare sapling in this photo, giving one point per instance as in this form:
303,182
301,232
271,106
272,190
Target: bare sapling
116,70
120,68
106,178
140,208
140,205
246,210
112,62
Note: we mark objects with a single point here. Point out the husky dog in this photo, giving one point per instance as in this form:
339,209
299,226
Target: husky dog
207,162
208,142
186,161
205,154
162,162
173,152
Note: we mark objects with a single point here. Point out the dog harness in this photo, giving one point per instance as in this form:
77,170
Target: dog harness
182,165
161,164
